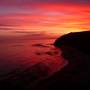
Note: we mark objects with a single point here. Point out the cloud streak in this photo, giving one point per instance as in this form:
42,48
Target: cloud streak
42,1
45,15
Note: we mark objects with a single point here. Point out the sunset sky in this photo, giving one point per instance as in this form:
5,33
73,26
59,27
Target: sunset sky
50,16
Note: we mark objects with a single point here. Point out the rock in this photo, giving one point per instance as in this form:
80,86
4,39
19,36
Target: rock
78,40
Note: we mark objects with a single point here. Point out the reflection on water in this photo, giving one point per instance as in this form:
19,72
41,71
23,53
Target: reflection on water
34,59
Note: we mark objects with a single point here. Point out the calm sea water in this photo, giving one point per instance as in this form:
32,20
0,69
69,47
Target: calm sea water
36,55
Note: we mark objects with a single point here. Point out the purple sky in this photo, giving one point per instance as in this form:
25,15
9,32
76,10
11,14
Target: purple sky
43,1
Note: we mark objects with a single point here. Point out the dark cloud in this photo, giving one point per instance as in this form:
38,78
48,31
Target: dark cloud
6,25
2,28
27,32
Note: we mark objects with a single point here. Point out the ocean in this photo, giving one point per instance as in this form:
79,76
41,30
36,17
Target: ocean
28,60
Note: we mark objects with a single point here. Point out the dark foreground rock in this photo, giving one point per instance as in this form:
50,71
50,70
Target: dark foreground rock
78,40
